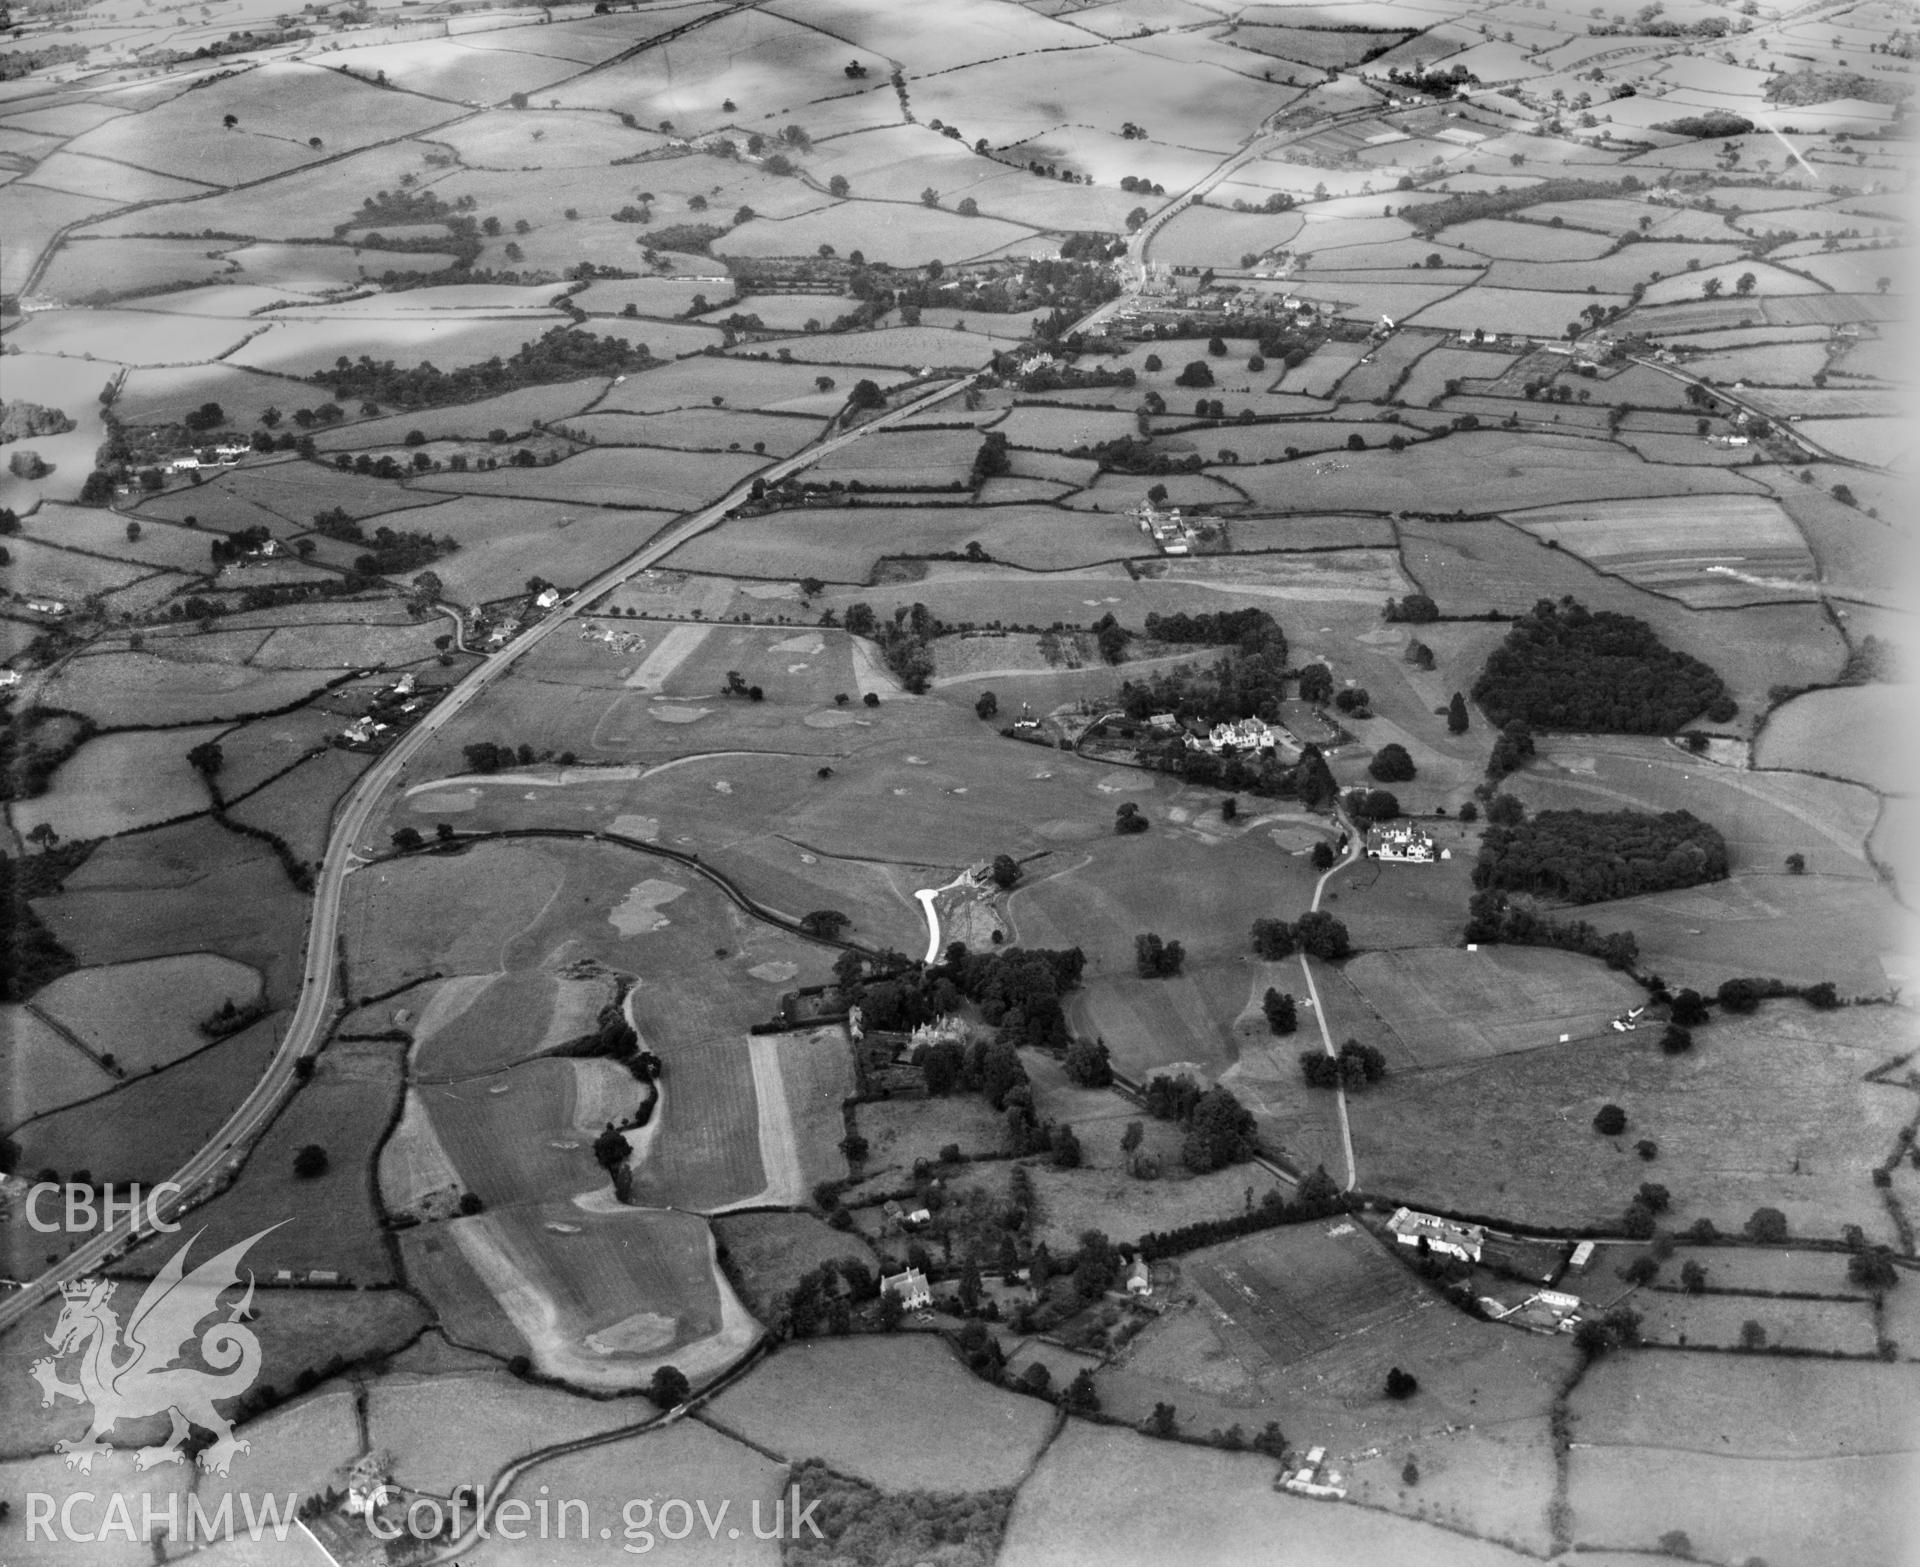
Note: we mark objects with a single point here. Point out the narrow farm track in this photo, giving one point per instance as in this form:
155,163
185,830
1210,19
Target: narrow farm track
1354,840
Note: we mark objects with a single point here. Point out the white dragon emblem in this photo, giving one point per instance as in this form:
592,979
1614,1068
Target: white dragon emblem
131,1373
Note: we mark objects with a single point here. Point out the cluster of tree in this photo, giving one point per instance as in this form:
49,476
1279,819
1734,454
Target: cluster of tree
822,1299
1219,1129
904,640
1251,632
1317,933
1367,806
1492,916
1317,1197
562,353
1705,127
859,1526
1356,1066
1563,666
1415,609
404,208
1596,856
1512,747
1797,89
1156,959
1435,83
30,954
489,756
19,63
1129,454
34,744
991,461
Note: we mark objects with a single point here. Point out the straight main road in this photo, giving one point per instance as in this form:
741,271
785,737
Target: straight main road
313,1013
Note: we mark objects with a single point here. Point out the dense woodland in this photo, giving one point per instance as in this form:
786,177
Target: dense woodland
1593,856
562,354
1564,666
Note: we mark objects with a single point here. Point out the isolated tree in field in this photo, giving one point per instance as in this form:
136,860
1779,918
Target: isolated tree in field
230,120
1316,683
1767,1225
1163,1422
1676,1039
838,186
1005,872
1457,714
1132,1138
867,394
1129,819
1321,855
610,1149
310,1162
1219,1132
1197,373
1610,1121
824,922
988,705
405,838
1391,764
1796,864
1744,284
1752,1335
1081,1397
1401,1384
929,197
669,1387
1281,1014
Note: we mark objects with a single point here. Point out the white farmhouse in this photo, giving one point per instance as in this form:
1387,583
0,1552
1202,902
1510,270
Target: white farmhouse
1442,1235
911,1286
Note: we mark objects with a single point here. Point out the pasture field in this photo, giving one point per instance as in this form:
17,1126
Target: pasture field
956,1433
1715,1321
40,1070
1445,1004
497,1418
184,136
144,1129
624,476
816,1079
515,412
902,1131
766,1253
1741,1120
303,1447
1846,732
905,348
1722,550
119,782
336,1224
700,430
162,1490
1771,1456
1208,1506
102,533
299,804
65,574
845,544
147,1014
1071,1202
707,1154
1501,239
686,1459
193,887
739,383
603,1295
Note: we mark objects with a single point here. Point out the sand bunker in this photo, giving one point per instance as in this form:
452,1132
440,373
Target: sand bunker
832,718
641,1334
629,826
679,715
721,786
769,590
774,973
1065,831
809,645
639,911
561,1229
1296,840
668,654
1124,783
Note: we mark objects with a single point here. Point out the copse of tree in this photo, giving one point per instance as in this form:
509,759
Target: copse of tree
1281,1014
1156,959
1252,631
1367,806
1563,666
1597,856
1391,764
563,353
1272,939
1320,935
1415,609
1355,1066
